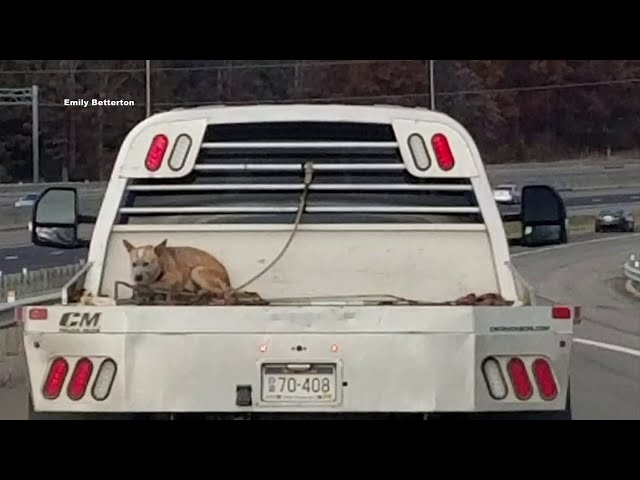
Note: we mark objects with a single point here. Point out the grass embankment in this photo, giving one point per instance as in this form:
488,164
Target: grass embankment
577,224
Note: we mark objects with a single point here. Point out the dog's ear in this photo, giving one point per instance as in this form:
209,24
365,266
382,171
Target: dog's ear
128,245
160,247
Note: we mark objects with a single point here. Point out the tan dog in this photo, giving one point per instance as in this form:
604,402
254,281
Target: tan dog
178,269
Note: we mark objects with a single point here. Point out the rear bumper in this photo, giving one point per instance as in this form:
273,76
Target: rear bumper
612,226
375,372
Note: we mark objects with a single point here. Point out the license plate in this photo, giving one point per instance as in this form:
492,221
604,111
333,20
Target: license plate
299,383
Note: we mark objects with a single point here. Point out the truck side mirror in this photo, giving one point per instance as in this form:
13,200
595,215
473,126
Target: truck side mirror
55,219
543,216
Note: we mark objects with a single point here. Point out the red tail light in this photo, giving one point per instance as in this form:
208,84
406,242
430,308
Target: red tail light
443,151
156,152
520,379
80,379
561,312
38,314
55,378
544,379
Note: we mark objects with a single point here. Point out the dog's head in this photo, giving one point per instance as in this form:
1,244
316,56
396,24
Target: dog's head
146,267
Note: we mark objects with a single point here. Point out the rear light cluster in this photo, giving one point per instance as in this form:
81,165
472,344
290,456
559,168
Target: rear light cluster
55,379
444,156
544,378
524,377
520,379
440,144
80,379
158,150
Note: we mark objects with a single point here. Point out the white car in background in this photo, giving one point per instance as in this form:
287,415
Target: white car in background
508,194
27,200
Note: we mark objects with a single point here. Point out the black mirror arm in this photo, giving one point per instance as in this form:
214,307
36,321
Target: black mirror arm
87,219
511,217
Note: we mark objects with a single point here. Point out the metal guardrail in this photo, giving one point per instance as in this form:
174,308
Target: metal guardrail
631,267
57,280
34,287
11,330
28,186
16,286
7,319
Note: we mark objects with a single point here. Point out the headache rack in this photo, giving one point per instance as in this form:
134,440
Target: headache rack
254,173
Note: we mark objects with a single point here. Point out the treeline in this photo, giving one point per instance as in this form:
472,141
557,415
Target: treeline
518,110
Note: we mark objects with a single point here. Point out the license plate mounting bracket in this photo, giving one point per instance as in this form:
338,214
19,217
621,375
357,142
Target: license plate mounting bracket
300,383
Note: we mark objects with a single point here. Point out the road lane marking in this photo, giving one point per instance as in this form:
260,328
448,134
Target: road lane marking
574,244
57,252
584,341
11,257
608,346
596,200
635,197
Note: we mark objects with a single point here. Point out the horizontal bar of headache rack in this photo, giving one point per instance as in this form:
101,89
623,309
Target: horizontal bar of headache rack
380,209
292,145
296,167
292,209
299,186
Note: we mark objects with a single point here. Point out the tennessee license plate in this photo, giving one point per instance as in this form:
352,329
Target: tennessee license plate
299,383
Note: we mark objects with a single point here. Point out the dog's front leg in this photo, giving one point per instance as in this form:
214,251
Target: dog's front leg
172,283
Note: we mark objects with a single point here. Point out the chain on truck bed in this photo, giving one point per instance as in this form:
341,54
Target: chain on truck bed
144,295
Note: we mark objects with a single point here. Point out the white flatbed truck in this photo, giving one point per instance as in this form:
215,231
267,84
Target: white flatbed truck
371,220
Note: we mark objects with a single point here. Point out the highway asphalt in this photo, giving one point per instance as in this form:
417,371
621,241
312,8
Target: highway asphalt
14,259
605,379
575,199
605,369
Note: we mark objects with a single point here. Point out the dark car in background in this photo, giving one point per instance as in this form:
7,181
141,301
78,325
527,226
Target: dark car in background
615,220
